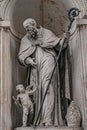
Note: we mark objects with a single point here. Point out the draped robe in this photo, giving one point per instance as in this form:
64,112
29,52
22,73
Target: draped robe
45,57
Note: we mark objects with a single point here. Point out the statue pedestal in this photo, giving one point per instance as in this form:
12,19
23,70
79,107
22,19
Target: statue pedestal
48,128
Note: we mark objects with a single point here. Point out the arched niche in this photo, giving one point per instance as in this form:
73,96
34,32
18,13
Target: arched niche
51,14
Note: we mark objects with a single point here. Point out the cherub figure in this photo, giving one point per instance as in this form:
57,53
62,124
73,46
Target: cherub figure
24,101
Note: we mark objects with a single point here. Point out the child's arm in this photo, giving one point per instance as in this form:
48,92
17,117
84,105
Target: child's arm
17,100
32,91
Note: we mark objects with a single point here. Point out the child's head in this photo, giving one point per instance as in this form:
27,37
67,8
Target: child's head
20,88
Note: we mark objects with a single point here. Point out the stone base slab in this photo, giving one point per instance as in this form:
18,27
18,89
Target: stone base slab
48,128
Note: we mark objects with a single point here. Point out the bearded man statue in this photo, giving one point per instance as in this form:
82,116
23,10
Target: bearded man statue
38,51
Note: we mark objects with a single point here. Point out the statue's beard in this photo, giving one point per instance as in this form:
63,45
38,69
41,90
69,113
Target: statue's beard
34,34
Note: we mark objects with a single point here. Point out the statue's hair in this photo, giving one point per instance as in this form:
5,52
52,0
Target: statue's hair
19,86
29,21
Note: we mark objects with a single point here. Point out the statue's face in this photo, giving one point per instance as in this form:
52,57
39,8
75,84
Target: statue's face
32,31
20,90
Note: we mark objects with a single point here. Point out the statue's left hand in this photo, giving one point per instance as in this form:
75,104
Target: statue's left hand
67,35
31,61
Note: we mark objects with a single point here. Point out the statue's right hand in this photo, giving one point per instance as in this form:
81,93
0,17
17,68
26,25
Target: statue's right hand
31,62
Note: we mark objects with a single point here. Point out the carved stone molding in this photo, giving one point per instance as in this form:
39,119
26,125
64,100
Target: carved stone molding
5,5
5,81
81,4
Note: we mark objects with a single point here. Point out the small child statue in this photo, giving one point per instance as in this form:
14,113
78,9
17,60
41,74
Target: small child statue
24,101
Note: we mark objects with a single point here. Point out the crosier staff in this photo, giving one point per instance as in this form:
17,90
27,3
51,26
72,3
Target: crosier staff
72,13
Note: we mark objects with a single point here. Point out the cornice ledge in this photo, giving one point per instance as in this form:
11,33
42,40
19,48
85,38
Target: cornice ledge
81,22
5,24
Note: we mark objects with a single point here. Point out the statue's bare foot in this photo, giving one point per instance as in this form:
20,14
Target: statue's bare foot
24,125
48,124
42,124
45,124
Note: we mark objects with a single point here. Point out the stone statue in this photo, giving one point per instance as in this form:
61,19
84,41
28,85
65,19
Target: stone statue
24,101
38,51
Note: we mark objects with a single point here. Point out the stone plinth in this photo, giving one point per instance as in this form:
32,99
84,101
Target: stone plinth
48,128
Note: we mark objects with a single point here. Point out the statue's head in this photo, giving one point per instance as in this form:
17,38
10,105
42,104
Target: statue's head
31,27
20,88
29,22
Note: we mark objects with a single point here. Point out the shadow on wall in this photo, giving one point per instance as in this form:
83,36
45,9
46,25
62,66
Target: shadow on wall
18,76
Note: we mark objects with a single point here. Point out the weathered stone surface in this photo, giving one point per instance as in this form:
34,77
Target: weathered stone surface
49,128
73,115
